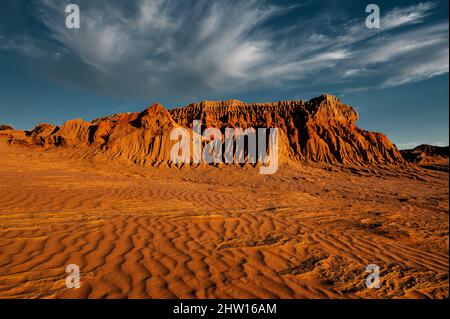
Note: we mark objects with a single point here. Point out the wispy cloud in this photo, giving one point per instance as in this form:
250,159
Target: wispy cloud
189,48
408,15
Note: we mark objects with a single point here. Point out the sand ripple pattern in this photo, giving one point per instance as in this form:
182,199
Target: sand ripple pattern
218,233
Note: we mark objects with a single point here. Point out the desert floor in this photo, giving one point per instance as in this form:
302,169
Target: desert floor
140,232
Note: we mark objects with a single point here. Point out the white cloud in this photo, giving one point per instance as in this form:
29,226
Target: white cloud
402,16
437,63
158,48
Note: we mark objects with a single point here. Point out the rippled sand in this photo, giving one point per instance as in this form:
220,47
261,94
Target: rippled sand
305,232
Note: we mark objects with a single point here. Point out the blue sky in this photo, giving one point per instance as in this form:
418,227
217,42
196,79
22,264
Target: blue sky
129,54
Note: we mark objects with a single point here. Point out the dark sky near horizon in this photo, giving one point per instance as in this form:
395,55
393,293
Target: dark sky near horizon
129,54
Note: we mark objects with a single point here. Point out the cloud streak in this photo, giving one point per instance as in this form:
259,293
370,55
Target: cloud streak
185,49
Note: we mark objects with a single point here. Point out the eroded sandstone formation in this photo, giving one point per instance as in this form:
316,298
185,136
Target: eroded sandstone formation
6,127
428,156
322,129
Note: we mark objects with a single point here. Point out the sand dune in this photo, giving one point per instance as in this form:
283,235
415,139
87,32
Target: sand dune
308,231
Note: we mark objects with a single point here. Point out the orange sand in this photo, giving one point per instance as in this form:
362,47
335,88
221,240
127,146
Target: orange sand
306,232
